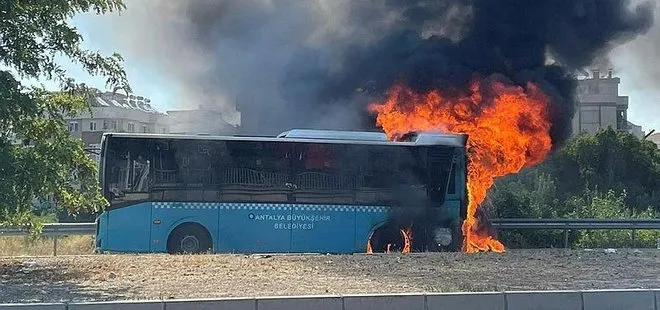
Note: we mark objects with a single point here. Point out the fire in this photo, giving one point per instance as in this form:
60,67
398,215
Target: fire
508,128
406,234
407,240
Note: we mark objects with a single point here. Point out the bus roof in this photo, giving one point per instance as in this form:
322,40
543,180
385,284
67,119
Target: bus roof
321,136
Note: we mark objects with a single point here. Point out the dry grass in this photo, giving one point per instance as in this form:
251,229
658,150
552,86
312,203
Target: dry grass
70,245
120,277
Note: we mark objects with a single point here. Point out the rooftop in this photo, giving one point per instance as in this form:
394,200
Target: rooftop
120,100
321,136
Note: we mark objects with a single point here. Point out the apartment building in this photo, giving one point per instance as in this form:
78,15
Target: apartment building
117,112
600,105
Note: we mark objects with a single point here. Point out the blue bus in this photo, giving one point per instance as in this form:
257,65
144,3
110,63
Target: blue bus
303,191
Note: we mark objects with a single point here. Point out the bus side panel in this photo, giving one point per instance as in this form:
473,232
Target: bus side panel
255,228
168,215
102,231
128,228
367,219
451,211
323,229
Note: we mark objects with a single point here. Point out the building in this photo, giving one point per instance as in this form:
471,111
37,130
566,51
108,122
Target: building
205,120
599,106
655,138
117,112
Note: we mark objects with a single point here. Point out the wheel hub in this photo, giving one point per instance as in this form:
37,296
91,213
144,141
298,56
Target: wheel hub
189,244
443,236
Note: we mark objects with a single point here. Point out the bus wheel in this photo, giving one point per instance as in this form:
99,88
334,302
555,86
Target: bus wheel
189,238
388,239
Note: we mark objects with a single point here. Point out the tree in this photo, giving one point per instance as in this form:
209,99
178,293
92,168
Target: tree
605,175
610,161
610,205
38,157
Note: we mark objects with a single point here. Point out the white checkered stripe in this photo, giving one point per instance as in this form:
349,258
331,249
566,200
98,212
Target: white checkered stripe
266,207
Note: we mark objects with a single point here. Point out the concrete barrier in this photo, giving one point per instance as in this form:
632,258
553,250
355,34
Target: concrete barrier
299,303
465,301
544,300
615,300
117,305
211,304
538,300
54,306
382,302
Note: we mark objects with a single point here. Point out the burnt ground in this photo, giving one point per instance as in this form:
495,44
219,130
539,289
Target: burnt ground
120,277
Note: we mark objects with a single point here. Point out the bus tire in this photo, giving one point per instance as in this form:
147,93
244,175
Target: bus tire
384,235
189,238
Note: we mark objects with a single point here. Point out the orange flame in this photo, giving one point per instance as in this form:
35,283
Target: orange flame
407,240
406,234
508,129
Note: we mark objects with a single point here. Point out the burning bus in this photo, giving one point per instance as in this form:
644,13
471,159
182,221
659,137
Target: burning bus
304,191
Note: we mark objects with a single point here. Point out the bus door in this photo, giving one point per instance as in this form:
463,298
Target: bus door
323,217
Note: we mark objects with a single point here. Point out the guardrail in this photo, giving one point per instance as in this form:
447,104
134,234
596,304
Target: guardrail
577,224
56,230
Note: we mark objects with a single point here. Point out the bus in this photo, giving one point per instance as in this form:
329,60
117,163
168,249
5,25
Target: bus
303,191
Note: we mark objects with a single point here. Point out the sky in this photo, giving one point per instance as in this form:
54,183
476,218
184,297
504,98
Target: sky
144,78
635,63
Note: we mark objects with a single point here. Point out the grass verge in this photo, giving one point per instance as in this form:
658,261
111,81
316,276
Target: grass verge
69,245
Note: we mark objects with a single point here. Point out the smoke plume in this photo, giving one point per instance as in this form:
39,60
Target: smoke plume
317,63
515,39
633,62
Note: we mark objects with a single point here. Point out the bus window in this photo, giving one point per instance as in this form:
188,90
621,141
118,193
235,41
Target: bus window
319,157
128,170
187,169
394,175
195,163
321,174
439,168
388,174
166,167
258,171
451,190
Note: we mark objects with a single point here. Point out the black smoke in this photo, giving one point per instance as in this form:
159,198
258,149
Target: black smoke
516,41
543,42
318,63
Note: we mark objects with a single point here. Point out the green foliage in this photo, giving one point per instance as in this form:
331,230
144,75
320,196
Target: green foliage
38,157
610,206
606,175
531,194
610,161
33,32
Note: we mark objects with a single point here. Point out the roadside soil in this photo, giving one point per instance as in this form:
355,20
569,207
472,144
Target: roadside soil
122,277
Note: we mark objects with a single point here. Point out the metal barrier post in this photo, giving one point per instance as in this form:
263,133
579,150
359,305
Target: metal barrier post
55,245
566,238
